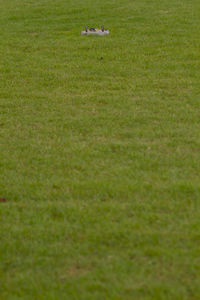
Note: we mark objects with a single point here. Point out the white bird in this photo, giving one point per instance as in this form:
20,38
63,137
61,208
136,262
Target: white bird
93,31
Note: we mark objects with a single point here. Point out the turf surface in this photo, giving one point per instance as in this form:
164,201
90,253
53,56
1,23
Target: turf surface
100,150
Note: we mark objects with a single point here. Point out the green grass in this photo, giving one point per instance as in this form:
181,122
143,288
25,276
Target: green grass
100,150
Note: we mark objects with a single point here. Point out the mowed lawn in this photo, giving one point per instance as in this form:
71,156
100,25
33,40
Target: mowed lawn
100,150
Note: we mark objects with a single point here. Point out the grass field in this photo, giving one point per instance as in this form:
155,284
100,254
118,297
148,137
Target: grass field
100,150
